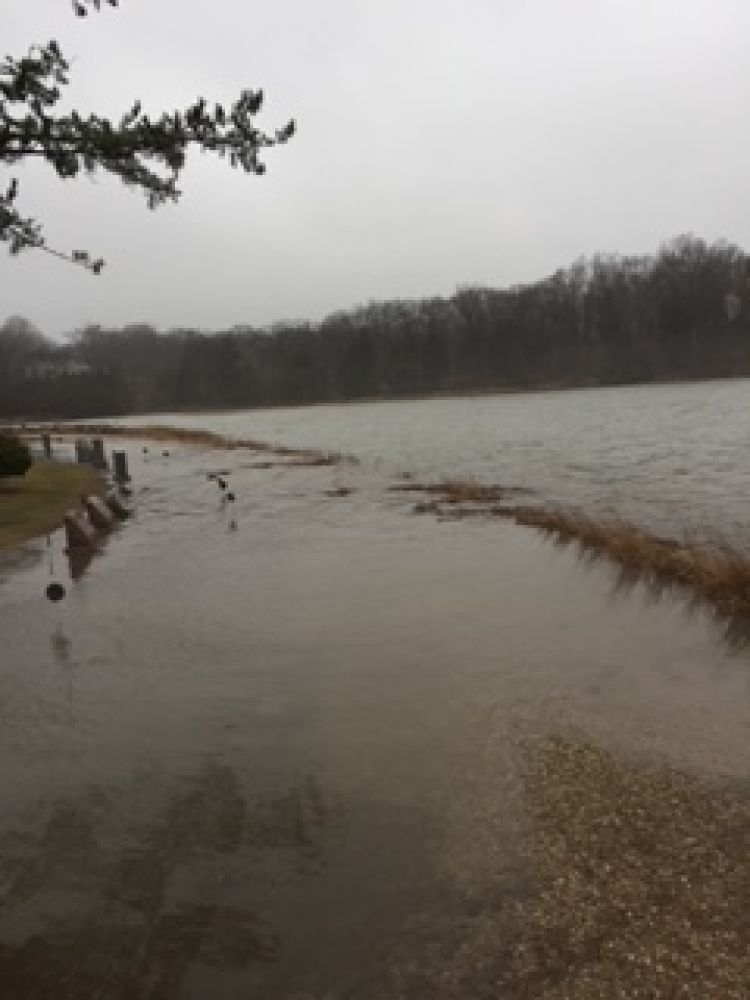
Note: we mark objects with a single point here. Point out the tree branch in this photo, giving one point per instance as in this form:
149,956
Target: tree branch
80,7
143,152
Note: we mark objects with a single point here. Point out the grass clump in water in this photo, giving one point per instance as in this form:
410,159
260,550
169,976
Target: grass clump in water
195,437
720,575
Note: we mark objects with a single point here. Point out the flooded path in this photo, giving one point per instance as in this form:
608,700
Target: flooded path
292,748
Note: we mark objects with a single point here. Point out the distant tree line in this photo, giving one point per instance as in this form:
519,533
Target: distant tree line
682,314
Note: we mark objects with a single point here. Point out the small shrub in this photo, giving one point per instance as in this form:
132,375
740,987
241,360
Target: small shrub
15,457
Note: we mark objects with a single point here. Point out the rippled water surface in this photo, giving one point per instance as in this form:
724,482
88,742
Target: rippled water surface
674,457
279,750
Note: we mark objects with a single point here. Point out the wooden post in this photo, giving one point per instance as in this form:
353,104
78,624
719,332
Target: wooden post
99,459
120,467
47,445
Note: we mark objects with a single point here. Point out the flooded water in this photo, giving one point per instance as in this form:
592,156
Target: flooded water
675,458
278,749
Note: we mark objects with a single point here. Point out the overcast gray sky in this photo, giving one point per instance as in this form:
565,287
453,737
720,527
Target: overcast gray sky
440,143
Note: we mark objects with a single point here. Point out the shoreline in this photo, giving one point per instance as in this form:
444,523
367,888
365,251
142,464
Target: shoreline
164,433
718,575
445,394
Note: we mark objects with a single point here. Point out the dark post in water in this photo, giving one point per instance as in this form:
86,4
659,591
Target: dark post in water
120,467
99,459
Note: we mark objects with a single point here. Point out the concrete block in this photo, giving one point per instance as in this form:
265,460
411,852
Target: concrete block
118,506
79,531
99,513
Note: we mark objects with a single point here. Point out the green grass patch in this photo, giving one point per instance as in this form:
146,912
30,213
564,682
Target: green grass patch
34,504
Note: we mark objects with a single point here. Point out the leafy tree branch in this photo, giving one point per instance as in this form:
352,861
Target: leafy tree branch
145,152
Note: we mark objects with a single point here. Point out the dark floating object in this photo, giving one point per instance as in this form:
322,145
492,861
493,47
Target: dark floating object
222,483
55,592
211,475
230,497
165,454
145,450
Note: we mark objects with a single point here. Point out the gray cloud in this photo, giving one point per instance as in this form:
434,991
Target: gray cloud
439,143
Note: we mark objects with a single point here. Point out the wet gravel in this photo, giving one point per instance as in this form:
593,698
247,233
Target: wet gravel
644,883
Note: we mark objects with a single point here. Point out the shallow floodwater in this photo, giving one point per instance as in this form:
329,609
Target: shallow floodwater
674,458
278,750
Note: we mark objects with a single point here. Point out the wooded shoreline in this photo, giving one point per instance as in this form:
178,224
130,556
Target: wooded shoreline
679,315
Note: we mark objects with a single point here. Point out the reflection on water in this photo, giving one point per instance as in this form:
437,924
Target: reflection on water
736,634
732,629
291,760
79,560
60,644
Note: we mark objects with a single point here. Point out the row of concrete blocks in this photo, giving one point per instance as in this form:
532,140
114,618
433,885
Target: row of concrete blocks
85,528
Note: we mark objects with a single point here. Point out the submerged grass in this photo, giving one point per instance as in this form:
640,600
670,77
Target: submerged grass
454,491
34,504
720,575
162,433
339,491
